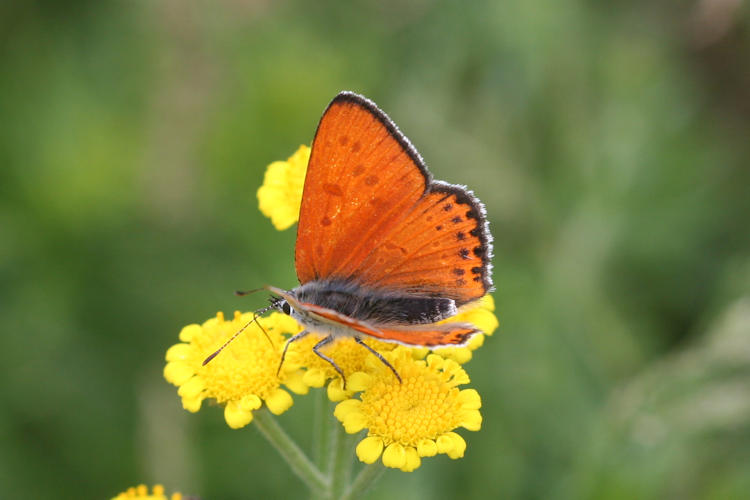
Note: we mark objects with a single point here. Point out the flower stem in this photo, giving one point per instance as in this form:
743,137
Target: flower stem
321,432
288,449
364,480
341,460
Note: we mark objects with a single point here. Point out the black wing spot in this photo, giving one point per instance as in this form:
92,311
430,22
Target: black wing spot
458,271
448,207
333,189
476,270
464,253
460,235
456,220
479,251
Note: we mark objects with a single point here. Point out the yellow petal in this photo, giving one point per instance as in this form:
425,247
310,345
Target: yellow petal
412,460
444,444
459,445
192,404
394,456
249,402
471,420
335,390
458,354
483,320
345,407
434,361
235,416
354,422
177,373
295,382
470,399
358,381
180,352
475,342
188,332
369,449
314,377
419,352
191,388
488,302
279,401
427,448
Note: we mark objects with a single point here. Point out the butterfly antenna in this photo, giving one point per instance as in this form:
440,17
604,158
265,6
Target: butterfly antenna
264,330
242,293
255,319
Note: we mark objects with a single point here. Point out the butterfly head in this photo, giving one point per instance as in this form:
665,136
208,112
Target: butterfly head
281,305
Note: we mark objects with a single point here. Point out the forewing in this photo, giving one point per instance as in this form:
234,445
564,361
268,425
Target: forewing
362,178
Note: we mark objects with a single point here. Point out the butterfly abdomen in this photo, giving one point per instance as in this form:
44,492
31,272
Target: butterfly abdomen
375,306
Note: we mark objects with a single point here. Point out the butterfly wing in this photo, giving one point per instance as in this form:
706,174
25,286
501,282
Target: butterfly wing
371,212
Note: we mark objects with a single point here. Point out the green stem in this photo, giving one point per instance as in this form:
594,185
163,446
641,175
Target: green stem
364,480
321,432
341,460
288,449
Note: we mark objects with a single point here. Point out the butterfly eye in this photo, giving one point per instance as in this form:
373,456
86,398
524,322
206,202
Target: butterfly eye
285,308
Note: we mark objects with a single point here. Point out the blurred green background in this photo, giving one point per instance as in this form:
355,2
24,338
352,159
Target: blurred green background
609,142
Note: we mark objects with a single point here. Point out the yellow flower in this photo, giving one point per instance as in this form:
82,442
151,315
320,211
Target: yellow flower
415,418
141,492
244,375
351,357
280,196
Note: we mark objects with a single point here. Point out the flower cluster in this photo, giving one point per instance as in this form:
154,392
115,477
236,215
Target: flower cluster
405,421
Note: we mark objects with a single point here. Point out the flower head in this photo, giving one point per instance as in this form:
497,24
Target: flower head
280,196
244,375
141,492
415,418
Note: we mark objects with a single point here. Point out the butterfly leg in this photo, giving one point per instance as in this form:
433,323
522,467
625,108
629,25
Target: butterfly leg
301,334
320,344
380,357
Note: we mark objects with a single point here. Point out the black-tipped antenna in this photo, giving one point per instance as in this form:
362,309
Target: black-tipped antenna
255,319
242,293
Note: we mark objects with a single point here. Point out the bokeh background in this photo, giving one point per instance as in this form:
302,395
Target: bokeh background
609,141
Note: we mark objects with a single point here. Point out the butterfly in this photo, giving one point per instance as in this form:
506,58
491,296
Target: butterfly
383,250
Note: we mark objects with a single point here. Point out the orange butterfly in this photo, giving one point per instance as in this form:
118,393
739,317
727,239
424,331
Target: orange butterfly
383,250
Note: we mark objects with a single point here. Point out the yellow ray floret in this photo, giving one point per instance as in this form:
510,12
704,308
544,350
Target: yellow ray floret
413,419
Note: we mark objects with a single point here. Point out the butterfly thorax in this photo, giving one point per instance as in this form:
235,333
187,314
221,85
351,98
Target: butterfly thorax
375,306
